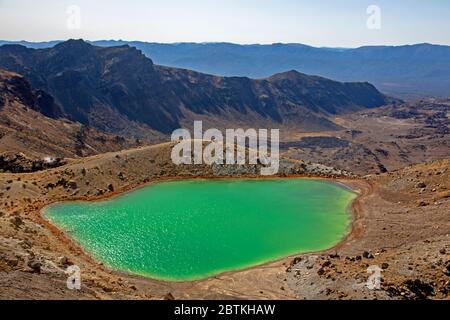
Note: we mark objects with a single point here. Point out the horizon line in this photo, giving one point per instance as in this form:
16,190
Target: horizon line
229,43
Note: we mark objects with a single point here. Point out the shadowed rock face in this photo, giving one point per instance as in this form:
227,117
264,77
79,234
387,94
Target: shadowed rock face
104,86
32,125
16,87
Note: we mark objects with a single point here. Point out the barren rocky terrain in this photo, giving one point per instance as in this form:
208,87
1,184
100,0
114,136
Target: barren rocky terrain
92,144
402,226
401,223
27,134
378,140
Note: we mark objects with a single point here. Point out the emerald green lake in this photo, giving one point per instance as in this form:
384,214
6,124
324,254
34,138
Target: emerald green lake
189,230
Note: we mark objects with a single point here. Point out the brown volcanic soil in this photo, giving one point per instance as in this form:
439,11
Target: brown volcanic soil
390,138
402,218
25,129
403,225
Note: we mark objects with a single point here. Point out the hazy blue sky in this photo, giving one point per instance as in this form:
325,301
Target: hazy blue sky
337,23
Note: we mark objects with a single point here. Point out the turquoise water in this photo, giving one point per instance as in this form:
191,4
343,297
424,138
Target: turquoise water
189,230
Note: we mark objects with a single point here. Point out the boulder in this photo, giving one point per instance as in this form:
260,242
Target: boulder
169,297
17,221
72,184
421,185
35,265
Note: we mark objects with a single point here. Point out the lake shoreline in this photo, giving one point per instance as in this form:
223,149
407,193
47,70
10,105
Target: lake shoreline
381,230
347,184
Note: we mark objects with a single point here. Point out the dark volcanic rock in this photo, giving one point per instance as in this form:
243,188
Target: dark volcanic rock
38,100
111,88
20,163
17,222
420,289
35,265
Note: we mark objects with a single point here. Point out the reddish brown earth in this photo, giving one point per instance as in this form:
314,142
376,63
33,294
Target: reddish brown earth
400,224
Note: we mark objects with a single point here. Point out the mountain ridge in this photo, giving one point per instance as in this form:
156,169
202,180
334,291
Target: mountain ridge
109,88
407,71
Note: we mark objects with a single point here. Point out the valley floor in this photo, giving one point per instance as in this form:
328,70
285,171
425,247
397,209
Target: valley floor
401,224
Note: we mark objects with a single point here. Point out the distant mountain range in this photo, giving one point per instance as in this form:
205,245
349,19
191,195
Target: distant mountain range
119,90
405,71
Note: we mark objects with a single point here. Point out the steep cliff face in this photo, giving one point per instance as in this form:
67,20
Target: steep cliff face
111,88
16,87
